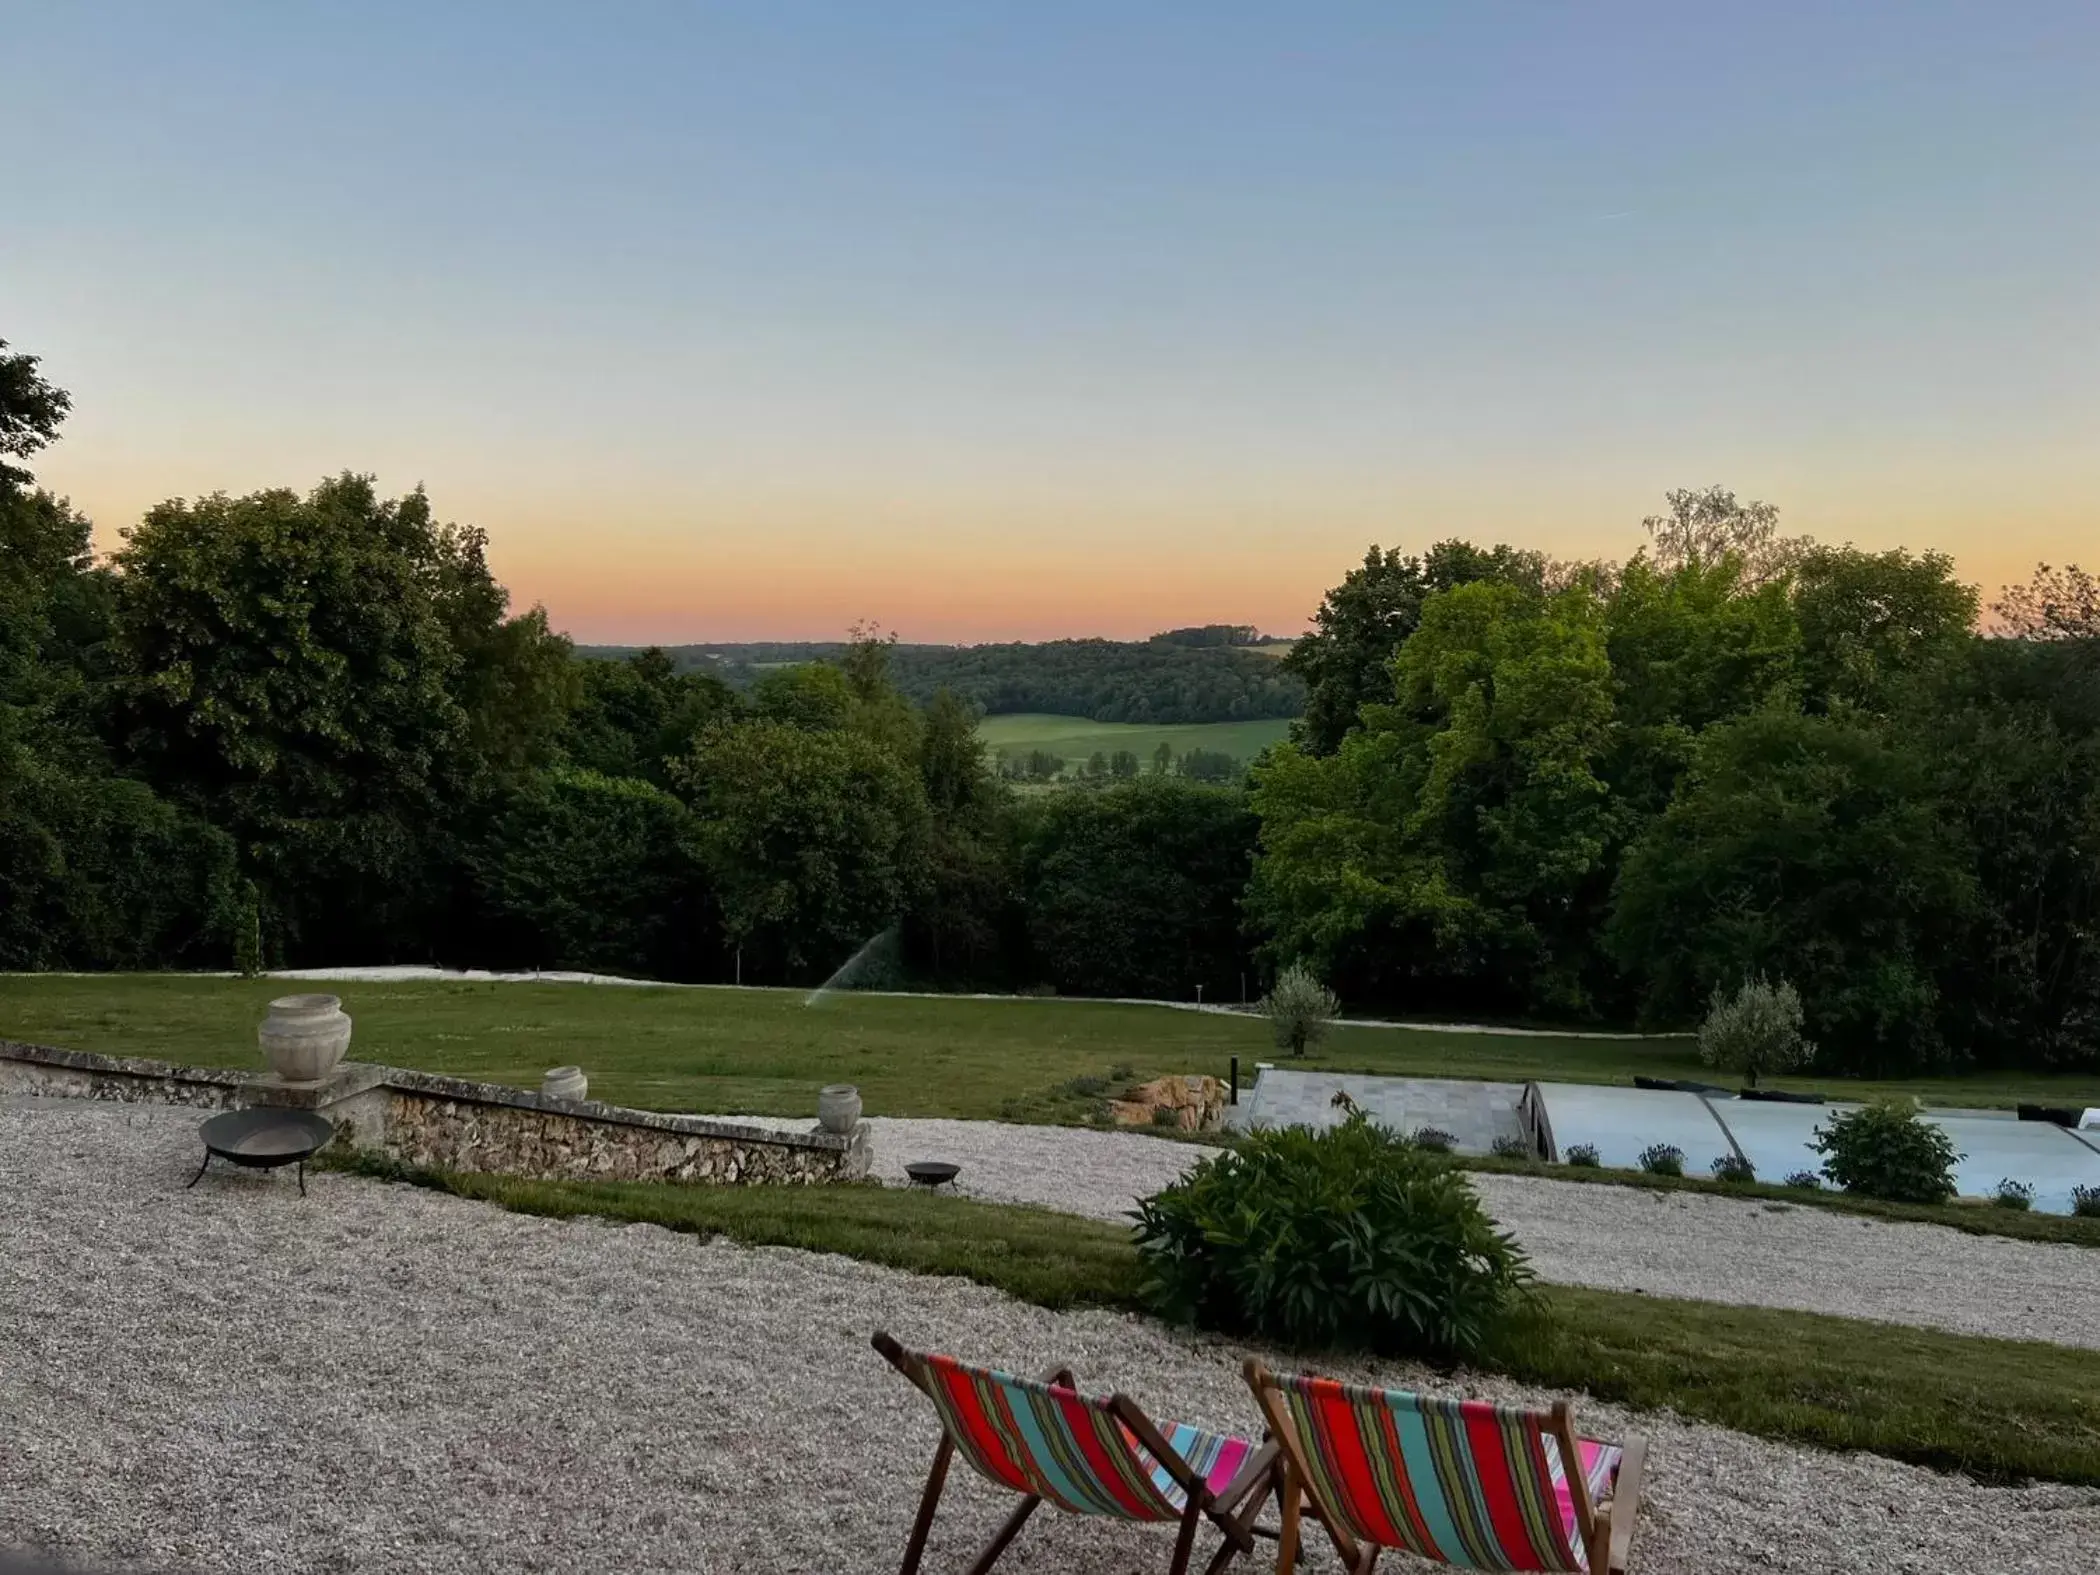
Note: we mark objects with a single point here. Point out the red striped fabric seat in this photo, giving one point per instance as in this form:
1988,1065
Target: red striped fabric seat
1069,1449
1463,1482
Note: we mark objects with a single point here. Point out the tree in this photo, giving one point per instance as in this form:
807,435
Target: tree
1464,834
1806,847
1754,1031
1135,890
1300,1009
1870,621
2055,604
31,412
634,716
291,674
813,840
586,871
1162,758
2011,739
1208,765
1123,765
1347,659
1706,528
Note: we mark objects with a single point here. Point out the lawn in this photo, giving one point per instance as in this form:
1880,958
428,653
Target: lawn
2001,1410
1076,737
764,1052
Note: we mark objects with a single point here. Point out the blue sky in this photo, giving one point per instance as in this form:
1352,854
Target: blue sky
999,320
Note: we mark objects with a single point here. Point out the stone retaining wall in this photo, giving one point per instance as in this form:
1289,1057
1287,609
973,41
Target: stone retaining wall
449,1123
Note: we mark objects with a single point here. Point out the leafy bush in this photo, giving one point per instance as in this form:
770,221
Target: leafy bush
1164,1116
1585,1155
1435,1139
1299,1009
1513,1148
1733,1167
1756,1030
1807,1180
1352,1236
2013,1194
1888,1150
1663,1159
2085,1202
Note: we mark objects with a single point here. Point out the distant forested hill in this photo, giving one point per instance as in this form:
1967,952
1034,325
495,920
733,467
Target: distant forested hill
1165,679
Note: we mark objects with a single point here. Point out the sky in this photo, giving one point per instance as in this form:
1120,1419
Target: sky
1004,321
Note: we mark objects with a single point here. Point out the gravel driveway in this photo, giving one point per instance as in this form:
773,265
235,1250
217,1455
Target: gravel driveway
382,1379
1748,1253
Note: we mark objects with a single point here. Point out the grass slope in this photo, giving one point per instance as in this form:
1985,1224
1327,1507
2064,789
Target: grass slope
1076,737
2001,1410
765,1052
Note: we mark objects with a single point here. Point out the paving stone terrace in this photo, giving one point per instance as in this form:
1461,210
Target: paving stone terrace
451,1123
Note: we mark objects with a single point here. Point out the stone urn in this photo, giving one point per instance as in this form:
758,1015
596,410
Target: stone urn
304,1037
564,1082
838,1107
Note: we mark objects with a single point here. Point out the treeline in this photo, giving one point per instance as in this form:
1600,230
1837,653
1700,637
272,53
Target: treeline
295,729
1605,792
283,730
1120,765
1184,675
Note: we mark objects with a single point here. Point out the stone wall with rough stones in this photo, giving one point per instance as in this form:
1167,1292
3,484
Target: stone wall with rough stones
449,1123
556,1145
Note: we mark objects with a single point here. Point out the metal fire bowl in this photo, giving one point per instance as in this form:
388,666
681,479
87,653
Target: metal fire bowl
931,1173
263,1139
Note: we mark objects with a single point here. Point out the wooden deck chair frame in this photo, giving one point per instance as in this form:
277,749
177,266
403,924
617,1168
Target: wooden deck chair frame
1606,1527
1232,1510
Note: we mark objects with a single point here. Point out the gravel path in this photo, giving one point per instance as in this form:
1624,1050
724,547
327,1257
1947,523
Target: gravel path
1747,1253
382,1379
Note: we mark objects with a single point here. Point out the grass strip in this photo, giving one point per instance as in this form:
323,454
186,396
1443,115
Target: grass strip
1973,1219
1997,1410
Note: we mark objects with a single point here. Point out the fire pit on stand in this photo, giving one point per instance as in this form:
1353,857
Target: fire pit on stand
263,1139
930,1173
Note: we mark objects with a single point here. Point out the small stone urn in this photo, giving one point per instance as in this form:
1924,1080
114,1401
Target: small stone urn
838,1107
564,1082
304,1037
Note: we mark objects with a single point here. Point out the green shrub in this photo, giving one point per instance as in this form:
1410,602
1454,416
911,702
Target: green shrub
2085,1202
1166,1117
1299,1009
1434,1139
1733,1167
1353,1236
2013,1194
1806,1180
1888,1150
1755,1030
1512,1148
1585,1155
1663,1159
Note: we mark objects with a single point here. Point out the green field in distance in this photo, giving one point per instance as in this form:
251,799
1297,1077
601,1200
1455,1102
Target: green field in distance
1075,737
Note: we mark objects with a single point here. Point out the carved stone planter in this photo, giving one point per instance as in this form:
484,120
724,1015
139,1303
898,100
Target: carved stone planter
304,1037
564,1082
838,1107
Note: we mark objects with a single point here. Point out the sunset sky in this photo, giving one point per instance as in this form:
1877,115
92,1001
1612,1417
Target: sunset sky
987,320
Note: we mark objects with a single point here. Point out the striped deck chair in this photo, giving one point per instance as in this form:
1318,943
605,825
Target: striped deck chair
1463,1482
1087,1456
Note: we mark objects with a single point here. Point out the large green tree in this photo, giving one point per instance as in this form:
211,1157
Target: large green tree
329,678
586,871
1460,844
1810,849
813,840
1347,659
1134,889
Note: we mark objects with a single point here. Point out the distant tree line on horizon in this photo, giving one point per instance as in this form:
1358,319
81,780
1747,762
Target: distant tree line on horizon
285,729
1181,676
